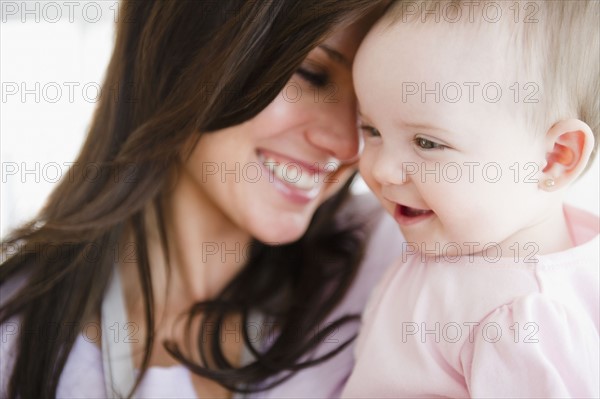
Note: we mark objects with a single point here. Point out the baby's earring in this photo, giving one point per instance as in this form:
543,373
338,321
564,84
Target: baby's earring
549,183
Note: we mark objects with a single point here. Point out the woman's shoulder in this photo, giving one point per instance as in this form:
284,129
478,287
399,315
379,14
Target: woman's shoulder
82,376
11,286
9,330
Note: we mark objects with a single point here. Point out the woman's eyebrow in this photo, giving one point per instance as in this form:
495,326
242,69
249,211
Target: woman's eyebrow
336,55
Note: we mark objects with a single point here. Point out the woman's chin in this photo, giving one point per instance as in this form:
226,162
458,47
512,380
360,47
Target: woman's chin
278,233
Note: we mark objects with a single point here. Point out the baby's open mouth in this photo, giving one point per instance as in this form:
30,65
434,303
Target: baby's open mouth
413,212
405,215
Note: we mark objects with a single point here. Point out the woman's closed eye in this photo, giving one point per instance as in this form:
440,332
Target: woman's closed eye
426,144
317,79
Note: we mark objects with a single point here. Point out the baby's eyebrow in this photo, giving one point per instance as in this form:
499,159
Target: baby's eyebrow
419,126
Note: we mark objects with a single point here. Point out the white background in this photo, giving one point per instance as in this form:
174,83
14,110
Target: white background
39,45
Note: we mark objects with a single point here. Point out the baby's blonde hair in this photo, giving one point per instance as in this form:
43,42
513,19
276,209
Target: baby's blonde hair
558,41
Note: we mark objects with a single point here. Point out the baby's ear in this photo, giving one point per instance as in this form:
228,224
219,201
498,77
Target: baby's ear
569,144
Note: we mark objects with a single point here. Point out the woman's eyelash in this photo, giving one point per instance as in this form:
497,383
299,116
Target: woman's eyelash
370,130
426,144
314,78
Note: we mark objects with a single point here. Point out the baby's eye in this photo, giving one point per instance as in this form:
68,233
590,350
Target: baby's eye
317,79
426,144
370,131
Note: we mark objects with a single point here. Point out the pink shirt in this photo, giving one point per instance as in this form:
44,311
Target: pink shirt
481,329
83,374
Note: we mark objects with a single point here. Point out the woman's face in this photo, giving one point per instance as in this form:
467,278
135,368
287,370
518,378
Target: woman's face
267,176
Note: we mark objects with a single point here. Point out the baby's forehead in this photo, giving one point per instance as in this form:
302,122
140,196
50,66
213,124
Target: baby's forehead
472,29
433,52
441,73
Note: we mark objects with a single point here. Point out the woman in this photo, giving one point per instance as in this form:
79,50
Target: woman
199,223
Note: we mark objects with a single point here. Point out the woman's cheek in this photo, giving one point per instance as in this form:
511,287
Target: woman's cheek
279,116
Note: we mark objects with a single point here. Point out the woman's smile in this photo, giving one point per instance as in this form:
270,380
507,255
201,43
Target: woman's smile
297,180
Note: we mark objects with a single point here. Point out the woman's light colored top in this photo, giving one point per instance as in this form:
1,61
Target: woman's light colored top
83,376
476,328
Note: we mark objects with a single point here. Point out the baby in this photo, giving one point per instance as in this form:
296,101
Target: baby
477,116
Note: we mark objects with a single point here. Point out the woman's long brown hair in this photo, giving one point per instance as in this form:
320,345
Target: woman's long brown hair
179,68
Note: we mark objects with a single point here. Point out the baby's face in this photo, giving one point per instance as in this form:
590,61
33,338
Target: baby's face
447,151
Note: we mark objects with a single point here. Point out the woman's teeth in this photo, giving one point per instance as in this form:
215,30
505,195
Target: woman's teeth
292,174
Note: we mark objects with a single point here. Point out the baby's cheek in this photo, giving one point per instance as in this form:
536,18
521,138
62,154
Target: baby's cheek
365,165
